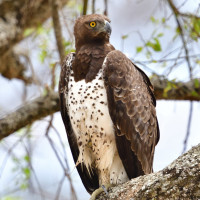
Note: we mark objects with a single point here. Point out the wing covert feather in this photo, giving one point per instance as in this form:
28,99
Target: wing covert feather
132,108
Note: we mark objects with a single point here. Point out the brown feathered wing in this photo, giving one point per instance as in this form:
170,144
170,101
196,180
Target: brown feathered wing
131,105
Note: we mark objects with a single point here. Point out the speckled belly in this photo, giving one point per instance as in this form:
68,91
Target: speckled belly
91,122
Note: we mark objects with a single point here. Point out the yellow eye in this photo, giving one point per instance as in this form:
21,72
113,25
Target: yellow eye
92,24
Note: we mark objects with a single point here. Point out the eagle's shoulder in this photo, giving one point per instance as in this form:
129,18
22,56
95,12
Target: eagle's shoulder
66,70
67,63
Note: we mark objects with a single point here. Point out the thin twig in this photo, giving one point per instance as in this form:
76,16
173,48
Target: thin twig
5,160
60,187
106,7
62,145
65,21
59,159
187,58
188,128
167,59
176,14
34,173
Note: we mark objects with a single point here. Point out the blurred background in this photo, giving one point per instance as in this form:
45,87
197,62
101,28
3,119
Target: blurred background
160,36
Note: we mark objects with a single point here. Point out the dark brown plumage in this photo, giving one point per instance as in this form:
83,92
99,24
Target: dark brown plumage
108,108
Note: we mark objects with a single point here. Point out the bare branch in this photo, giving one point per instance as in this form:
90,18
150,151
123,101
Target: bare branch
37,109
188,128
47,105
93,6
57,28
11,67
180,180
106,7
18,15
65,168
85,5
176,14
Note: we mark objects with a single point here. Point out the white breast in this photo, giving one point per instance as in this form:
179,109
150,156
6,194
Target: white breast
93,127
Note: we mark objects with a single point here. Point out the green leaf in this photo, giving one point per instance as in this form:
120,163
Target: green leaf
41,30
27,158
196,83
155,21
124,37
178,30
194,93
43,55
139,49
154,45
160,34
163,20
28,32
10,198
168,88
197,61
196,25
27,172
23,186
148,54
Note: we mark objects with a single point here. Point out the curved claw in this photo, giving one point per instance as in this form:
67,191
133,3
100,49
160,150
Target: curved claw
103,188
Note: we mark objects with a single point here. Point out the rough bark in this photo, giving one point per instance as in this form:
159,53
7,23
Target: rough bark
11,67
180,180
15,17
35,110
47,105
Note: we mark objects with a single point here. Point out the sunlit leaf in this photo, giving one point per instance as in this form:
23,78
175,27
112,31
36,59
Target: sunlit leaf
195,94
27,172
27,158
155,21
196,83
139,49
197,61
28,32
43,55
154,45
163,20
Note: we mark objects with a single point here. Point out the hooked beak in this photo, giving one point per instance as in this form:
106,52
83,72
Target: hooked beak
107,28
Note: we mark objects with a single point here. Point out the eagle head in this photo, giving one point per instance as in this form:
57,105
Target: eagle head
92,28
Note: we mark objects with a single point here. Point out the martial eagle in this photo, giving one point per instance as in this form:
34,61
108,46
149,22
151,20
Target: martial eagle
108,108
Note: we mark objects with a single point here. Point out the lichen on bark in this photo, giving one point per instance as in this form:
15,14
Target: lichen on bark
179,180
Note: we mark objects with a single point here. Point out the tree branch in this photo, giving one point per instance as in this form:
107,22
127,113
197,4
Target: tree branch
15,17
47,105
35,110
18,15
57,28
180,180
171,90
85,5
12,67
